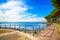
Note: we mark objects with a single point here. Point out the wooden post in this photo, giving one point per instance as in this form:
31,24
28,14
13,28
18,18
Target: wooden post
14,26
39,28
33,30
0,25
19,28
10,26
25,28
5,26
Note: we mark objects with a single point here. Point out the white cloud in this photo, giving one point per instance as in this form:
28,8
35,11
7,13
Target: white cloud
15,11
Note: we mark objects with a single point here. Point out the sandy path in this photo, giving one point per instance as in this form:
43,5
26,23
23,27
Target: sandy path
49,34
16,35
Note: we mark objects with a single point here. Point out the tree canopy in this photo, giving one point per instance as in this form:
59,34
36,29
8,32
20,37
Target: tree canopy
52,13
56,3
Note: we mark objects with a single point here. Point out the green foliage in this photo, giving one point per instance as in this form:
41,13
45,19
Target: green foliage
52,14
56,3
47,17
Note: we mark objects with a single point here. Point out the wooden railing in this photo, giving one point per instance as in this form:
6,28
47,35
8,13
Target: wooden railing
33,29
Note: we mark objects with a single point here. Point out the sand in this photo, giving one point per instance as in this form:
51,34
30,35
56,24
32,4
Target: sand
7,34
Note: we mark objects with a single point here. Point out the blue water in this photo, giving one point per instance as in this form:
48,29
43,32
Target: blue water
28,25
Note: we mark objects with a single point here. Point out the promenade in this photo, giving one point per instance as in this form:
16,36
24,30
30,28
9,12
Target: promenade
51,33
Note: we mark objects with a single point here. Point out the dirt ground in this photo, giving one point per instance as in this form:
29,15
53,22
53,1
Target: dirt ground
7,34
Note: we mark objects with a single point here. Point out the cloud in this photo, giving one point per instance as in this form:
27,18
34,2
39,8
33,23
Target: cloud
16,11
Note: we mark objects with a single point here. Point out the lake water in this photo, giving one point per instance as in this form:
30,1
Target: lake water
23,25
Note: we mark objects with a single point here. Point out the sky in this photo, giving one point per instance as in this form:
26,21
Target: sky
25,10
